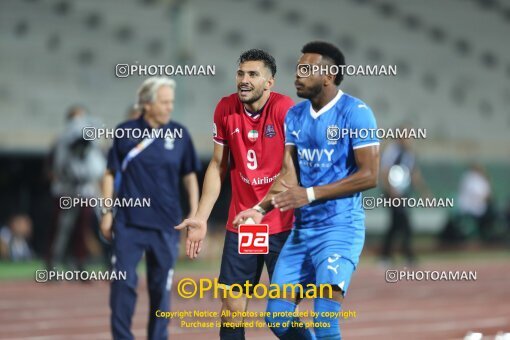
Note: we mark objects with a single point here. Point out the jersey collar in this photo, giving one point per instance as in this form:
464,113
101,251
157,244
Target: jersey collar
256,115
326,107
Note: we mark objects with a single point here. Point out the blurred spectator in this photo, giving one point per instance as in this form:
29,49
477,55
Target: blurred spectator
77,165
475,208
14,239
474,200
400,173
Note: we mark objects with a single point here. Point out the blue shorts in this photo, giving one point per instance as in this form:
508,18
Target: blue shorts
320,255
239,268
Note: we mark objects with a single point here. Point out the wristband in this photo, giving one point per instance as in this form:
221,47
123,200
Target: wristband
260,209
310,194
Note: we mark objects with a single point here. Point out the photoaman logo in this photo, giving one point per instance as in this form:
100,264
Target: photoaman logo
253,239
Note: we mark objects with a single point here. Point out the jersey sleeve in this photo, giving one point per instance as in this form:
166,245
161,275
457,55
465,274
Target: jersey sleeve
284,106
114,159
219,131
289,128
190,161
363,126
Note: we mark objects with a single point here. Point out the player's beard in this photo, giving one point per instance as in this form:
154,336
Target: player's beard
255,95
309,92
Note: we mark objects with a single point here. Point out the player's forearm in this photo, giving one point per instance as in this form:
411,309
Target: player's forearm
357,182
275,189
191,186
211,190
107,184
287,175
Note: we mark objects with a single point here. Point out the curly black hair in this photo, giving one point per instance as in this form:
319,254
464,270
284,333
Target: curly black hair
329,51
256,54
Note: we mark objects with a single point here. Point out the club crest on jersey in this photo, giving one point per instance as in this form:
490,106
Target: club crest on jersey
270,132
169,143
333,134
253,135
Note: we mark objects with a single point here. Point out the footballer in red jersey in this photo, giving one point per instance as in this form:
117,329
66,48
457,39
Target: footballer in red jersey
248,133
256,143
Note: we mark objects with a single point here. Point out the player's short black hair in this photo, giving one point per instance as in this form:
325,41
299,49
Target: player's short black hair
256,54
327,50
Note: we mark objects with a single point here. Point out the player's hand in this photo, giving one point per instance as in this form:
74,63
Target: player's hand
292,198
196,230
244,215
106,226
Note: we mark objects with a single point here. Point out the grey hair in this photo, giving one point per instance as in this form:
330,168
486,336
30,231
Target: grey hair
149,89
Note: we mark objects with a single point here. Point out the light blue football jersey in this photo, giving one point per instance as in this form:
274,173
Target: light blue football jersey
325,143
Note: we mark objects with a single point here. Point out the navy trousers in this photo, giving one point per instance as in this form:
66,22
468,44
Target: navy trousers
161,250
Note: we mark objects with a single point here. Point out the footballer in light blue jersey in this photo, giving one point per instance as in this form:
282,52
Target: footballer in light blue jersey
325,142
331,156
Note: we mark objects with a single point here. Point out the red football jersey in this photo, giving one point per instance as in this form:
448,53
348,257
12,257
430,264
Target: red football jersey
256,153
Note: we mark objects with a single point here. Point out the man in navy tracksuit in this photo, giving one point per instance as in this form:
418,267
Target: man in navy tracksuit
148,168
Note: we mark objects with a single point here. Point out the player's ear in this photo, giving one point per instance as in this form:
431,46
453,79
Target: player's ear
146,107
329,80
269,83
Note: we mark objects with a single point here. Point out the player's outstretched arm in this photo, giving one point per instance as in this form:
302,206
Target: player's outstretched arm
286,178
367,161
190,183
196,226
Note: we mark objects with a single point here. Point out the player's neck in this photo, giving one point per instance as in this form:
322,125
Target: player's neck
151,121
323,98
259,104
